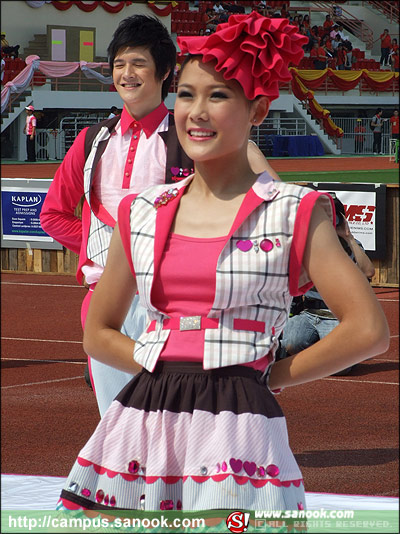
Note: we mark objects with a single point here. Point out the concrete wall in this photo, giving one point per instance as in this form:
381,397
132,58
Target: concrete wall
21,22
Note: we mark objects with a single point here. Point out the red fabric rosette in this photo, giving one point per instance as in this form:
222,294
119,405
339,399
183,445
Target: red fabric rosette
252,49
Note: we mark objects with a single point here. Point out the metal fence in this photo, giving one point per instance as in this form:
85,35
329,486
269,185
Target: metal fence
277,126
358,137
71,126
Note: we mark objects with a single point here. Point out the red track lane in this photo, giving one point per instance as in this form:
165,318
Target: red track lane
343,430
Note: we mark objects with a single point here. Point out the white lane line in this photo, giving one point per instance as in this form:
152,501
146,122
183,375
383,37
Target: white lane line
361,381
42,340
34,284
46,361
44,382
388,300
396,335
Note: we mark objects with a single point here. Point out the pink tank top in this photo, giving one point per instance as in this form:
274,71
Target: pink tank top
185,286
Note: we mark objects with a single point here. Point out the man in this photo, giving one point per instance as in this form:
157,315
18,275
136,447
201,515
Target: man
11,51
376,127
30,132
129,153
386,42
359,137
113,112
319,56
394,125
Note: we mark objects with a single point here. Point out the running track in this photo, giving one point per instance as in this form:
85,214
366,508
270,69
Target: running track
343,430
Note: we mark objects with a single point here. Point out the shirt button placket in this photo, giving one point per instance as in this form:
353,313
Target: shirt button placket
131,155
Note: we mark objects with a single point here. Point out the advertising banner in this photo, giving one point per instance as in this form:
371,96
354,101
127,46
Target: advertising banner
365,208
21,202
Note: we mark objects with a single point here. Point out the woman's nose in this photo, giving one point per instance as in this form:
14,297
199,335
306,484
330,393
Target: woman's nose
199,110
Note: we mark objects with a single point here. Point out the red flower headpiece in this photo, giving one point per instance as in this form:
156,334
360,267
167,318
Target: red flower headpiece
252,49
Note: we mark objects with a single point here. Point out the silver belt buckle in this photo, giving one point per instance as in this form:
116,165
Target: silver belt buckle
190,323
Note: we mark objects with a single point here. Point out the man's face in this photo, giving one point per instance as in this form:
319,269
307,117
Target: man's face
134,77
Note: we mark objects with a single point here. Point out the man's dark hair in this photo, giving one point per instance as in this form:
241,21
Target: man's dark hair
379,110
113,109
142,30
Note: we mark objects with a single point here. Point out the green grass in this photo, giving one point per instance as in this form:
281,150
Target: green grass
387,176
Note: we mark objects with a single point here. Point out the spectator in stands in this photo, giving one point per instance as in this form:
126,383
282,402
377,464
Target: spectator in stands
393,47
113,112
218,8
295,21
394,124
335,44
359,137
210,19
30,132
319,56
306,22
11,51
302,31
284,11
328,23
300,19
348,47
315,38
386,43
316,320
376,126
262,8
340,31
341,57
333,32
395,61
327,46
337,11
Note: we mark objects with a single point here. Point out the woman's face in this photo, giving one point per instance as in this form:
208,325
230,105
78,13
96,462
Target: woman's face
212,115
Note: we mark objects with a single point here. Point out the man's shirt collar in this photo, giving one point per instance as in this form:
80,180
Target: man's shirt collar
148,124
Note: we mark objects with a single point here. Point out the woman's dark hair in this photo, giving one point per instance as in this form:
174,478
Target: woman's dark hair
340,218
142,30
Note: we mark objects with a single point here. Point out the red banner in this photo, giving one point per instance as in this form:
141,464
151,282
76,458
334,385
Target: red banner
63,6
162,12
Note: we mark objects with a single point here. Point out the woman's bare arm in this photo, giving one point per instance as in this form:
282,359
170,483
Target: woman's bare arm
362,332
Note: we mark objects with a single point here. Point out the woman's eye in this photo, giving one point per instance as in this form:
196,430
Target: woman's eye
218,94
184,94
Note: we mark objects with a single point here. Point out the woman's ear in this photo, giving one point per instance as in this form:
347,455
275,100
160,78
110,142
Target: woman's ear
260,110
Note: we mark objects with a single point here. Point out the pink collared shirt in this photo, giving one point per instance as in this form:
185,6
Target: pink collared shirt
133,160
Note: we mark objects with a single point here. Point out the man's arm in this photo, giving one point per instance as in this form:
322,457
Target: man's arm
57,216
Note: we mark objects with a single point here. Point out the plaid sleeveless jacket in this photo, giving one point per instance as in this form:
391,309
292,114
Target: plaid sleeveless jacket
253,285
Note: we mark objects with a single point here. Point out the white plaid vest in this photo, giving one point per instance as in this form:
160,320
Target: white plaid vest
99,232
249,285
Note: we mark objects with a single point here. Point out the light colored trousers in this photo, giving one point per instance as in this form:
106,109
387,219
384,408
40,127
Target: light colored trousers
107,381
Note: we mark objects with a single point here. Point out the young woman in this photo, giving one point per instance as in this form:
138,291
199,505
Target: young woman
216,261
